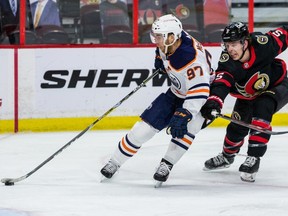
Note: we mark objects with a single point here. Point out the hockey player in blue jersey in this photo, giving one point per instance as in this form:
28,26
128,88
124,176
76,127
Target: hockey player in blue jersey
187,64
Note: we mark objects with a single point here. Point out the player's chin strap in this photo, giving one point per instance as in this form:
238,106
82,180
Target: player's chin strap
244,50
168,45
245,124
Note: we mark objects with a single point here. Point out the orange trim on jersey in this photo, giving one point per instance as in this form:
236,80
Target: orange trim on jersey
126,147
191,62
203,90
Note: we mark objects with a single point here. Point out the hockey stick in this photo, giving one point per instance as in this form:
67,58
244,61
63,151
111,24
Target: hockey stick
251,126
11,181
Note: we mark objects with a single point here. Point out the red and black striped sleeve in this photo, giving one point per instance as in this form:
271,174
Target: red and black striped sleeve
280,39
222,84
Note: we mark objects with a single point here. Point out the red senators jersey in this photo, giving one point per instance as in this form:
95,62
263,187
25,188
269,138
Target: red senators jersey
249,79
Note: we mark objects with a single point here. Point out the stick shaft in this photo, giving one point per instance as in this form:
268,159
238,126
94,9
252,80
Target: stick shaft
82,132
251,126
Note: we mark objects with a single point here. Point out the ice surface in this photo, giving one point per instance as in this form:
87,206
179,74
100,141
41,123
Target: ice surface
69,185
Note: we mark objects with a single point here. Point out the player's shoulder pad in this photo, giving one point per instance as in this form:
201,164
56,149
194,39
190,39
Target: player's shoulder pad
184,55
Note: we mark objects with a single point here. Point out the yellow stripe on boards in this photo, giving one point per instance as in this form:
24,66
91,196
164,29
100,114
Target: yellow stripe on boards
69,124
107,123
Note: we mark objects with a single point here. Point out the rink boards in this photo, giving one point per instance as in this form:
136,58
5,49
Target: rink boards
48,89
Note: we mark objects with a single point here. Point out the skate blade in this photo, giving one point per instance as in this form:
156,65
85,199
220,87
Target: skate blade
158,184
218,168
103,179
247,177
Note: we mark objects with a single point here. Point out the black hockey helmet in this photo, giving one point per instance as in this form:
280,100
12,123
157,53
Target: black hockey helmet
235,31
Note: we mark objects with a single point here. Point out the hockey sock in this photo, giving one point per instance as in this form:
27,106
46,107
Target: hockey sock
129,145
258,141
178,147
231,147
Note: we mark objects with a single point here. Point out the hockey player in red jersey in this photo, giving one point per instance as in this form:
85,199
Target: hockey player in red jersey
187,64
249,70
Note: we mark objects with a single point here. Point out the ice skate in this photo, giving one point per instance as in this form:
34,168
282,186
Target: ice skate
249,169
218,162
162,172
109,169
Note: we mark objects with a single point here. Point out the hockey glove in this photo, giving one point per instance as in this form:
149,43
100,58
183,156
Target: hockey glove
214,103
158,64
178,123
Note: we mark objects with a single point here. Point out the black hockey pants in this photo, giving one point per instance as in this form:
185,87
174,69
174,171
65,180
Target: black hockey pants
258,111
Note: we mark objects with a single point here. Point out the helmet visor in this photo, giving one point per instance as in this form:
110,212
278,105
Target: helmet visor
156,37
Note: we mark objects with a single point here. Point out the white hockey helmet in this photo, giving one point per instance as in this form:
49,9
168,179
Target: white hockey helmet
163,26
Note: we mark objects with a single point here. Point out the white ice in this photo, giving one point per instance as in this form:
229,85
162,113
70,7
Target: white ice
69,185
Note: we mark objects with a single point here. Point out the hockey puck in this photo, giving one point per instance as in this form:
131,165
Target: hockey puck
8,183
